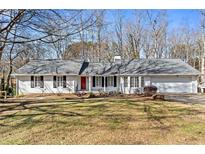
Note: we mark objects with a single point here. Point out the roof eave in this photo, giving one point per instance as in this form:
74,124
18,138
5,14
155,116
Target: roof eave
16,74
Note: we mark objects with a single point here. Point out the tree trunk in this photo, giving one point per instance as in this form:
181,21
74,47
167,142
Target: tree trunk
8,78
1,51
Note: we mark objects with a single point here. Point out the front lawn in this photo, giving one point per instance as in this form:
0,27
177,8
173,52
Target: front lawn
102,121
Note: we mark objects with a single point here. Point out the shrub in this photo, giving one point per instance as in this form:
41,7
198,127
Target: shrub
114,93
150,90
91,95
14,93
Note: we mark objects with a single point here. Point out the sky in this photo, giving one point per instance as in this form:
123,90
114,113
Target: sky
175,17
178,17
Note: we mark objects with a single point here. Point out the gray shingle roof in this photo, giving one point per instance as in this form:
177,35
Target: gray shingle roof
155,66
141,67
50,67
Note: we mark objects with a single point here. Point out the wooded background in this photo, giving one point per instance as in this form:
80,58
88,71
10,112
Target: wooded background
90,35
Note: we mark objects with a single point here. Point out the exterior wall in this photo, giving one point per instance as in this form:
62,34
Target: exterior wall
147,80
104,89
132,90
194,84
165,84
24,85
175,84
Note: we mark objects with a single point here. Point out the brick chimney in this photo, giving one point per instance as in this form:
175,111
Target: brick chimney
117,59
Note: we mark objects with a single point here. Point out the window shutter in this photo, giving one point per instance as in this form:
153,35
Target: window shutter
42,82
142,81
32,81
115,81
54,81
103,81
93,81
64,81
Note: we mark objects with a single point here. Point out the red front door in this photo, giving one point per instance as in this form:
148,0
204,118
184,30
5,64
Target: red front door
83,83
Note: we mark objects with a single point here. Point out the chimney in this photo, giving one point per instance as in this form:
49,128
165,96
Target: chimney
117,59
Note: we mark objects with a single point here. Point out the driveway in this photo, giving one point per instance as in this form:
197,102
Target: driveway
186,98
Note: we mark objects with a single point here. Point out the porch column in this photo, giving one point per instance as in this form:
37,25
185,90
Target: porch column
140,81
89,83
128,83
118,83
104,85
140,85
122,84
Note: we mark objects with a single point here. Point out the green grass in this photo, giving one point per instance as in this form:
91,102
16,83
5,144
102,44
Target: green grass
102,121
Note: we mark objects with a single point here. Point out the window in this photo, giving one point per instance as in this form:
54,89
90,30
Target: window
98,81
110,81
59,81
134,81
37,81
125,82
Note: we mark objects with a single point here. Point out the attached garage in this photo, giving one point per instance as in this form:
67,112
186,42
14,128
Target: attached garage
175,84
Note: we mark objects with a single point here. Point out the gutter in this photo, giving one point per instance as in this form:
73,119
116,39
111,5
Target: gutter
41,74
118,74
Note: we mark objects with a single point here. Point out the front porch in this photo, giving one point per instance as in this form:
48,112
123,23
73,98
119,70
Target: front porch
123,84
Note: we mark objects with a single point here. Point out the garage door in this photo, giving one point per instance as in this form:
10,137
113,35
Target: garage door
172,84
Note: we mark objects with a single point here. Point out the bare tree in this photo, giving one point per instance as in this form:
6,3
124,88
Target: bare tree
202,12
26,34
134,34
158,24
8,19
146,44
119,32
48,26
99,29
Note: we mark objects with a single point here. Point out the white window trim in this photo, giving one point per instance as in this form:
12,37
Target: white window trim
125,81
98,81
37,81
59,81
110,81
138,81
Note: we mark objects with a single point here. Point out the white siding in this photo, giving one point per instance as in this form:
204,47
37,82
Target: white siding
165,84
24,85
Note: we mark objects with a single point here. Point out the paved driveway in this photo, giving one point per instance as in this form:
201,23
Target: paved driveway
186,98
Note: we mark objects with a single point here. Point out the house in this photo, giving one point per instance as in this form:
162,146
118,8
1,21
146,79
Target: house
70,76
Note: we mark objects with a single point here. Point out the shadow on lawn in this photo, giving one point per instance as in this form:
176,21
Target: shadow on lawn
156,112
